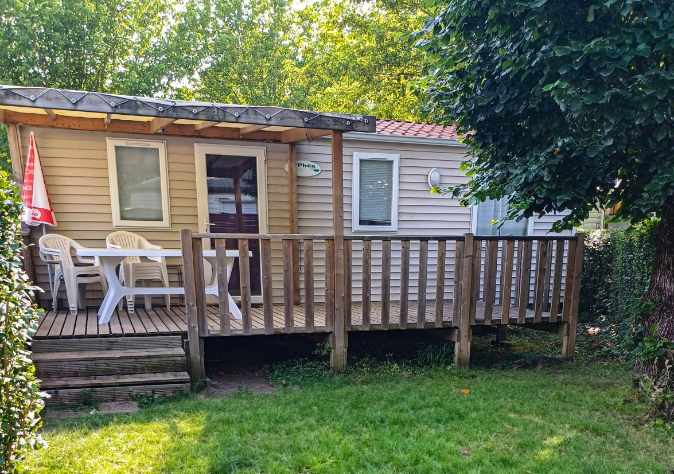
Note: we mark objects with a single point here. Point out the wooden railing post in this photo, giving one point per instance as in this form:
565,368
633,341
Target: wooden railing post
244,280
423,280
223,290
462,346
196,362
267,289
440,284
288,307
569,339
404,282
367,283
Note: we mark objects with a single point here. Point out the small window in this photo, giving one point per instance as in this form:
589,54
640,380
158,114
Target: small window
138,183
375,192
490,211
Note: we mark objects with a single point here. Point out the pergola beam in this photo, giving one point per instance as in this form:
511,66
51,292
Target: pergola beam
204,125
158,124
51,114
251,129
80,101
133,126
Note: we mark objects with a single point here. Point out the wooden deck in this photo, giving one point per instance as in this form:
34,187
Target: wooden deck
160,320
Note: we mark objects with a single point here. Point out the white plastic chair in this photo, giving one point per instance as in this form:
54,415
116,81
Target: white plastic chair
55,249
133,269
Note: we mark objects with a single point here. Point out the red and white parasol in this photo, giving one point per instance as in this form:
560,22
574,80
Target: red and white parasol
35,197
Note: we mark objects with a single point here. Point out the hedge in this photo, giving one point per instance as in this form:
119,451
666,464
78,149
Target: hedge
617,266
20,399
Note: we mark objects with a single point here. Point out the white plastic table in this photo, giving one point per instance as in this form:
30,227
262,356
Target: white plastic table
110,258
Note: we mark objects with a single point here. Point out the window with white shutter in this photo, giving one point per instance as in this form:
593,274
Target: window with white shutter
490,211
375,192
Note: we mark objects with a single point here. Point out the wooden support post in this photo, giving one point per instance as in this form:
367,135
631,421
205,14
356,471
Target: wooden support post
196,362
367,283
404,282
502,334
223,291
14,142
294,218
462,346
338,353
423,278
440,284
267,289
569,340
568,285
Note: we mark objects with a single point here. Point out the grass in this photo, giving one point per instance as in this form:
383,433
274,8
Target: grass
386,416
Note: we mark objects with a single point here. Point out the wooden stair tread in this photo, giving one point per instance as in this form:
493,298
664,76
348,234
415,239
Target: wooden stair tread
70,396
107,354
114,380
39,346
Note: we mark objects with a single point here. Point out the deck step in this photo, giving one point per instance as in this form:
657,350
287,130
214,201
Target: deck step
115,380
106,343
54,365
74,396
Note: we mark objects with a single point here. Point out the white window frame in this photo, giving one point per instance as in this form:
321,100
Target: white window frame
355,192
117,221
473,224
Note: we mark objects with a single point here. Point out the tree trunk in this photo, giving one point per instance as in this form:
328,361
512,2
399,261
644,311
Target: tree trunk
661,294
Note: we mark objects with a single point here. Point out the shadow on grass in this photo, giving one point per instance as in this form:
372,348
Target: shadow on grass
389,414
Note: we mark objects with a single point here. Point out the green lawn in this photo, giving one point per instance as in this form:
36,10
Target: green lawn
581,418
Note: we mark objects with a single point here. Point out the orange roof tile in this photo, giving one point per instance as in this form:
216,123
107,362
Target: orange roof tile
413,129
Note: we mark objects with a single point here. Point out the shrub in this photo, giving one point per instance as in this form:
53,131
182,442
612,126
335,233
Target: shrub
20,399
617,266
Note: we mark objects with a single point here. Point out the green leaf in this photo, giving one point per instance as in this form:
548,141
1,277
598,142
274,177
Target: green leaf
590,14
642,50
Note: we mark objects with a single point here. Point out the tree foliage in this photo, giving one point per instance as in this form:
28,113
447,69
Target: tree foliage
567,105
332,55
20,400
119,46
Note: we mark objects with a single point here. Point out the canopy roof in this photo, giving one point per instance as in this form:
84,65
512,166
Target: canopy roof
79,110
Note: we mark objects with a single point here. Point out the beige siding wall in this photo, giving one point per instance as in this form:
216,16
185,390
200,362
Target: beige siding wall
76,171
419,211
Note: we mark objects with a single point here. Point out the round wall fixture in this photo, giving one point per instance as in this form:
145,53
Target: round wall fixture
434,178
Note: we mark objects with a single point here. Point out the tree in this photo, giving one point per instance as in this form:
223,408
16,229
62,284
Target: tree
567,106
355,57
332,55
119,46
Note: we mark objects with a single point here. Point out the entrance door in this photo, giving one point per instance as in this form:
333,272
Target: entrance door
231,194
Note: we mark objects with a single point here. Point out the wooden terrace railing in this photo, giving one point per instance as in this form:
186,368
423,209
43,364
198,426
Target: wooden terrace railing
479,281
